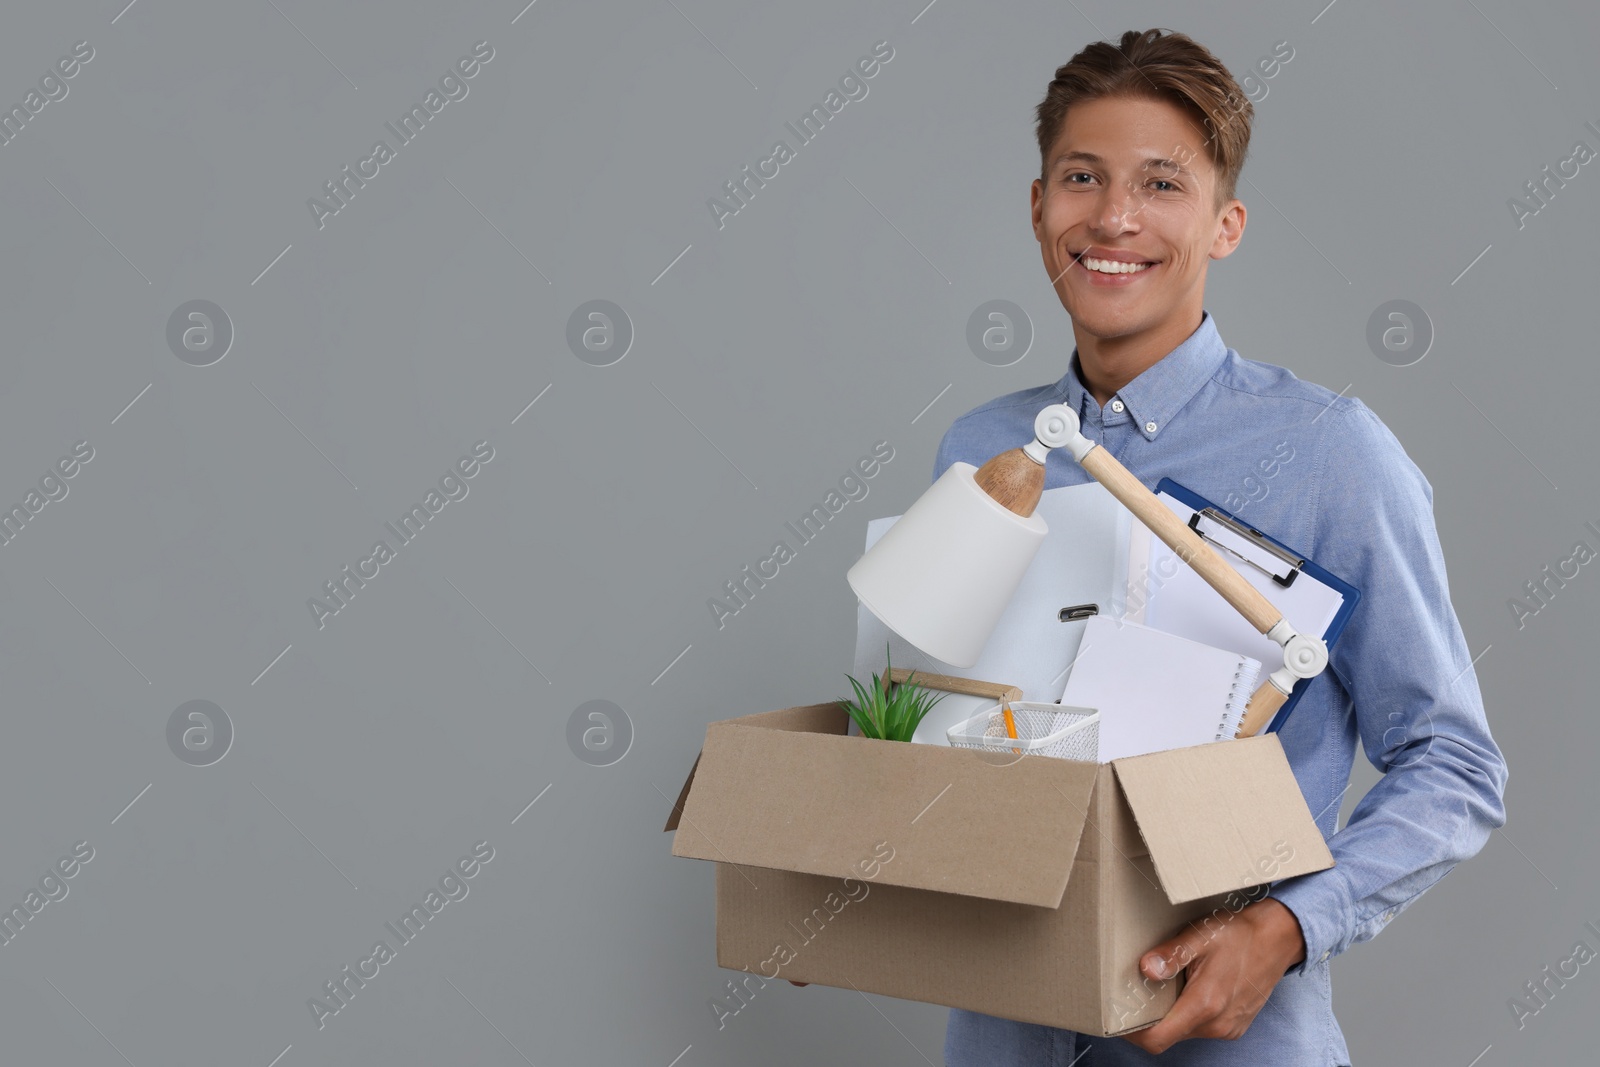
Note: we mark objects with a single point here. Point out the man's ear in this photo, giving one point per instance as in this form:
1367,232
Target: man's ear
1230,230
1036,206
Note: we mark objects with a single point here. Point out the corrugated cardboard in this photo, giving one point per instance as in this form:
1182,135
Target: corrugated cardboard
1025,888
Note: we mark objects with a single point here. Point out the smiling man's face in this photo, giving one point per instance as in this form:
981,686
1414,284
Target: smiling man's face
1129,188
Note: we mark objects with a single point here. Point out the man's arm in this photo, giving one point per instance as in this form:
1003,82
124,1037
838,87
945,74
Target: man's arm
1403,662
1405,666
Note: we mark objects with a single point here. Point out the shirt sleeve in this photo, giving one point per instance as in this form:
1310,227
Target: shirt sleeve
1404,665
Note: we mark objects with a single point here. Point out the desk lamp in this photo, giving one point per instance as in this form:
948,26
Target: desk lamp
942,575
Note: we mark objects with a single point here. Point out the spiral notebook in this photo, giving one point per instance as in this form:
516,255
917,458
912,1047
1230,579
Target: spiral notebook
1156,690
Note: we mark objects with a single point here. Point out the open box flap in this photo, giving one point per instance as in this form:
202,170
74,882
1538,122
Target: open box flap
1222,816
815,718
683,794
786,795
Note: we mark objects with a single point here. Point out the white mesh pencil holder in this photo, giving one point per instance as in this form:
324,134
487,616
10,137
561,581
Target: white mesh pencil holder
1058,730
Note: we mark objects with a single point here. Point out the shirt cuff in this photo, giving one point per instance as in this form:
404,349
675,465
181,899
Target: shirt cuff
1321,903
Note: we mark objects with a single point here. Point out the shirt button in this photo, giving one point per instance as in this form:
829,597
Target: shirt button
1324,958
1149,427
1116,405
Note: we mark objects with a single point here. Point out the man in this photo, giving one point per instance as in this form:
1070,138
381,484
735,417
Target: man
1142,144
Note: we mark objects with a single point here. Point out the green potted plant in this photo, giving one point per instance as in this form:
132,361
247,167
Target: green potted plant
889,715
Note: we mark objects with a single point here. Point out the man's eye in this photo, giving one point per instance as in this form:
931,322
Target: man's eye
1077,174
1163,181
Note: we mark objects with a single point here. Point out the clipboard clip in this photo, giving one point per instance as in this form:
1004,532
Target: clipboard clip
1283,566
1076,612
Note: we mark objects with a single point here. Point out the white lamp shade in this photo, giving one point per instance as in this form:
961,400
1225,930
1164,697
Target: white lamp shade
942,575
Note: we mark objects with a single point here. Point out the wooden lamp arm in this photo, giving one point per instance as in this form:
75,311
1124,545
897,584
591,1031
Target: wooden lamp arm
1016,480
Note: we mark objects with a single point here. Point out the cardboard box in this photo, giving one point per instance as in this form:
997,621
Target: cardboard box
1025,888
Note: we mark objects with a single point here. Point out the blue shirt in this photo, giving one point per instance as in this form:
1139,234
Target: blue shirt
1321,473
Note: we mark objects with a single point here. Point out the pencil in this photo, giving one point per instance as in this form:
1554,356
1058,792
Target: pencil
1011,723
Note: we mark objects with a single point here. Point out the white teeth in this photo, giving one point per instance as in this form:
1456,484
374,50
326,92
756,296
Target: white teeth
1111,266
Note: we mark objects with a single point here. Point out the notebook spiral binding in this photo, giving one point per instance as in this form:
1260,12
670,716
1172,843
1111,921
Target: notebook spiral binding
1233,710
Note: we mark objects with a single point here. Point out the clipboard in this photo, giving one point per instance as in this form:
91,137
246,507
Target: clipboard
1291,581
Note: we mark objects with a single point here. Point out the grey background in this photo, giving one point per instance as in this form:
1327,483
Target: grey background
829,314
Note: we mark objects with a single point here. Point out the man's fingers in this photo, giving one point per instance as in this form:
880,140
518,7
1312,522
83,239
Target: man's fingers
1172,956
1191,1012
1231,971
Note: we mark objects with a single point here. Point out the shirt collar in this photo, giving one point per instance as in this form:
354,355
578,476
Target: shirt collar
1158,394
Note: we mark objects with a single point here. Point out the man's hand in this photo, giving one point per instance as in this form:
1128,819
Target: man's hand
1231,972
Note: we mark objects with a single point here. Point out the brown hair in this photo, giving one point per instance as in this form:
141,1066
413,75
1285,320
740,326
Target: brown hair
1157,65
